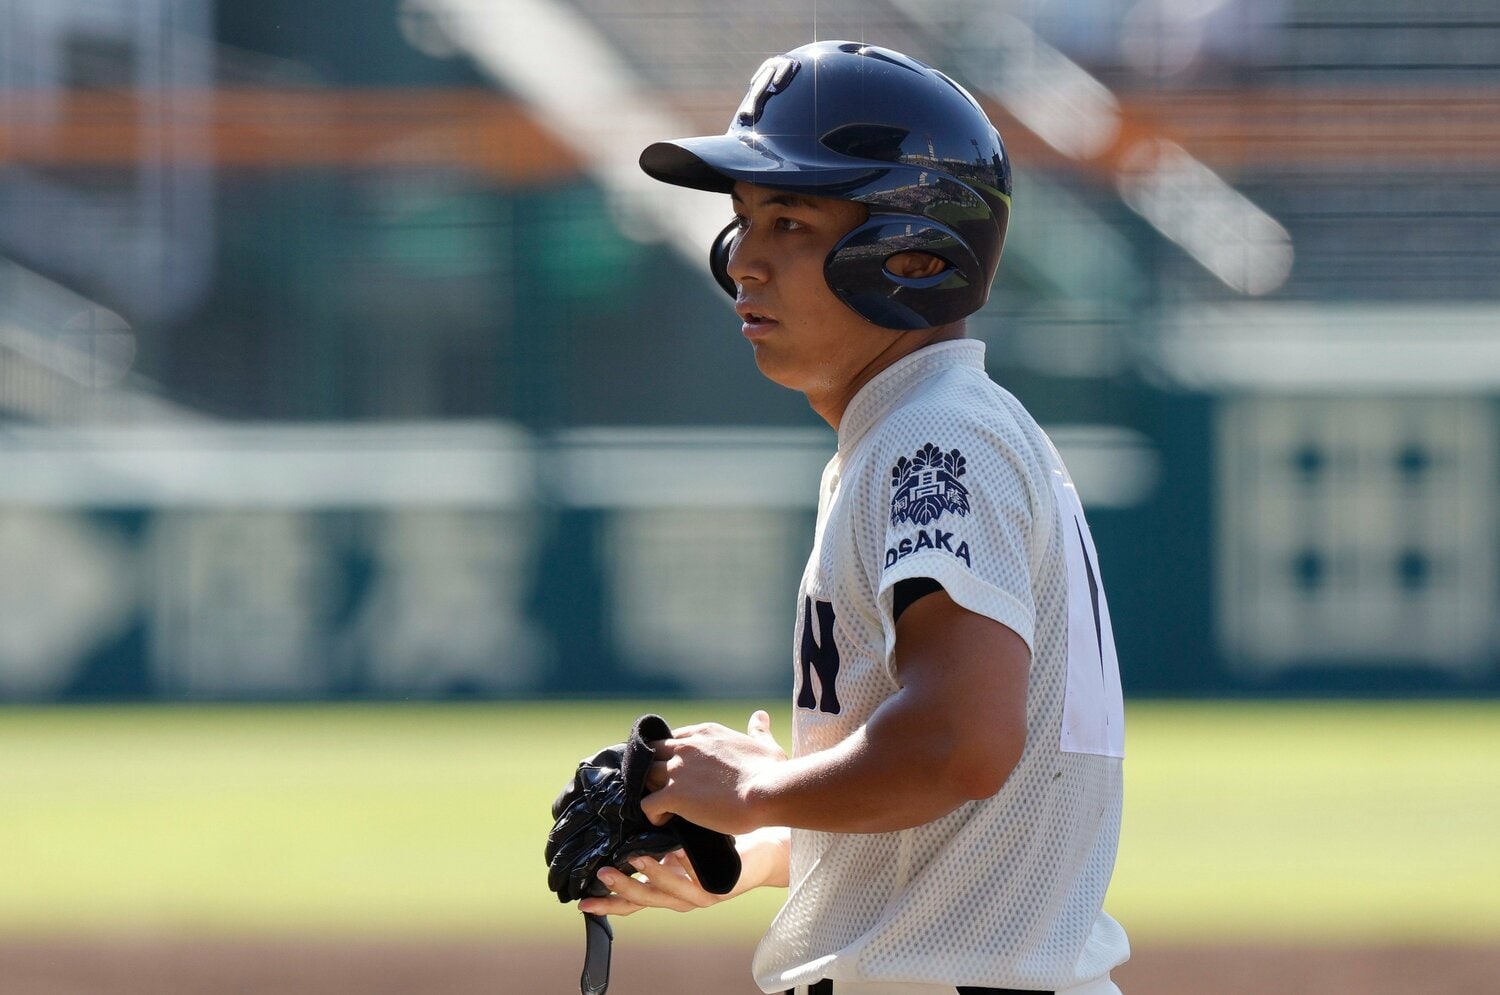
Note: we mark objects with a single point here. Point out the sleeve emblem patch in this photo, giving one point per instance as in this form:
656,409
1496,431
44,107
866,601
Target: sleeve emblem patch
927,485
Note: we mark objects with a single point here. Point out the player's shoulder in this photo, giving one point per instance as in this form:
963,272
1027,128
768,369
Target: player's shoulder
960,405
961,430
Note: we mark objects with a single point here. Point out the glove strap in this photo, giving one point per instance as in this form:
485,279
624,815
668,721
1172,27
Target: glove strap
595,979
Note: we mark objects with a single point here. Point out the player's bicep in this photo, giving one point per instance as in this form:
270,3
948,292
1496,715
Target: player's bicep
966,675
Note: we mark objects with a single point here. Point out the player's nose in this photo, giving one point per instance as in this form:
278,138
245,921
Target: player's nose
748,260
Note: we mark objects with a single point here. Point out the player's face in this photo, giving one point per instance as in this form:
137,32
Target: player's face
804,337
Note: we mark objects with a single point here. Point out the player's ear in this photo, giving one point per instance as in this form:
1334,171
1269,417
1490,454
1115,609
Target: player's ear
915,265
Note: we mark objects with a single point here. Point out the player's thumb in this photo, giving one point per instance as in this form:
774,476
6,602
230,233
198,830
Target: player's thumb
760,727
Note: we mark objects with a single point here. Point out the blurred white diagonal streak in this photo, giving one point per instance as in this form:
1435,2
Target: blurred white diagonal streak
1217,225
1053,96
1000,56
65,358
559,63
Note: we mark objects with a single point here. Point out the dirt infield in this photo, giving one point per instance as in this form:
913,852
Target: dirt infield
166,967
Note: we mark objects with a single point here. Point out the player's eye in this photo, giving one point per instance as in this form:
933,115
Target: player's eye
789,224
741,222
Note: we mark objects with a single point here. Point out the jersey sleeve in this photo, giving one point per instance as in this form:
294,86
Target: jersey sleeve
958,505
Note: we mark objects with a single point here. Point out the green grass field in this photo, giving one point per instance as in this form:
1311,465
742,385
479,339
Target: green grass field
1287,822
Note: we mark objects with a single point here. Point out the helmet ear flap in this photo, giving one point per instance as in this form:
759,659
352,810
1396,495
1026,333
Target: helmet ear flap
856,271
718,257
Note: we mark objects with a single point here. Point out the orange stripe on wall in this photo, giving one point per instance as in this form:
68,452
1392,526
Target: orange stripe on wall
494,135
270,129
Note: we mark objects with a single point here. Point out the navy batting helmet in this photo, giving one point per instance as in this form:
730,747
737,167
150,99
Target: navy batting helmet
856,122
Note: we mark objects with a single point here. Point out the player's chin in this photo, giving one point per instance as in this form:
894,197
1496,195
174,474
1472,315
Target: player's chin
777,367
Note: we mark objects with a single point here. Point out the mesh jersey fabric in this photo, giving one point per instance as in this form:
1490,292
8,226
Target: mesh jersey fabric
941,473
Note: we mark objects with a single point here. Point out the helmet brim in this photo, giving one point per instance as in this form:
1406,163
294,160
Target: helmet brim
718,162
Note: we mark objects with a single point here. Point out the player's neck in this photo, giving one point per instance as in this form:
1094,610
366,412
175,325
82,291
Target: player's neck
831,402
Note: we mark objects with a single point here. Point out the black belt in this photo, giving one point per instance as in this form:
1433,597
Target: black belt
825,987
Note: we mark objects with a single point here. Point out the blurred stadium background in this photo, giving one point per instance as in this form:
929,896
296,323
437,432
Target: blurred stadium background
363,410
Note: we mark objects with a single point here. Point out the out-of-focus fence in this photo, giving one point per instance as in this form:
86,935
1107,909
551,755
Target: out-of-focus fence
429,559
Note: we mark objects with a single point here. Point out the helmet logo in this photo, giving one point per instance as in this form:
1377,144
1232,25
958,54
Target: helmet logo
771,78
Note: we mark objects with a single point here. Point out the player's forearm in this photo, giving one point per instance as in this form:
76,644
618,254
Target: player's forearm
901,770
764,859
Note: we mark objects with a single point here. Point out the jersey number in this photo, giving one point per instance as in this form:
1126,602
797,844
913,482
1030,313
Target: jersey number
822,659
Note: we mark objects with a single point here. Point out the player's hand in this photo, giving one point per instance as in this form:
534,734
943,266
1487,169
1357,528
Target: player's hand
671,883
704,772
668,883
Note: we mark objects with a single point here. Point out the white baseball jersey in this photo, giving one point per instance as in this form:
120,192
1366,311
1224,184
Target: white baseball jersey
942,474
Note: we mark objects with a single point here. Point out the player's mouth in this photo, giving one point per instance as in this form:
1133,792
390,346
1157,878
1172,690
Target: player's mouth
756,322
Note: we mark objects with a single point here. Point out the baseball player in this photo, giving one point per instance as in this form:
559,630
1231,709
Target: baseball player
948,819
